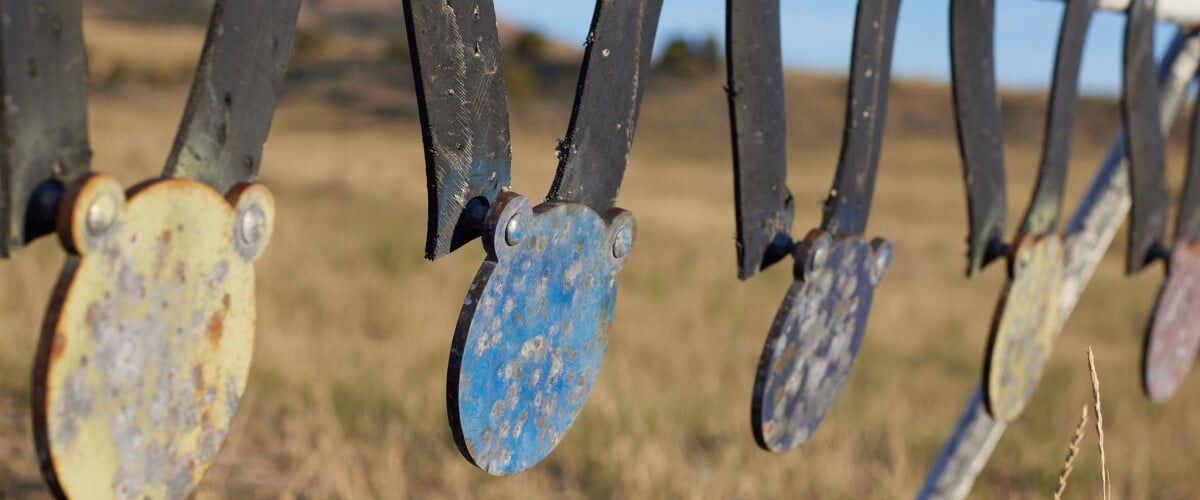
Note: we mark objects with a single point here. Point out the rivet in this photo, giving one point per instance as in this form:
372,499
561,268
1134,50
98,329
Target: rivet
820,255
622,242
101,214
883,257
250,224
513,231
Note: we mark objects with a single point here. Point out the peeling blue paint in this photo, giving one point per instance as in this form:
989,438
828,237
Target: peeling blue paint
533,331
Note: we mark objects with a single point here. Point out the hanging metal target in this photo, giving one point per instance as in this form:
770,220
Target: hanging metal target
1027,316
816,335
534,325
1173,332
148,337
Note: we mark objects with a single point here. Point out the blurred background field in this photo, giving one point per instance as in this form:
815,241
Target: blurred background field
346,397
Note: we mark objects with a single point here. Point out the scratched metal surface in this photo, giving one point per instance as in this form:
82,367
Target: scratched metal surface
459,81
612,81
815,337
1146,142
43,122
1092,228
1045,206
846,209
533,329
979,124
1174,330
1023,328
758,124
233,97
147,342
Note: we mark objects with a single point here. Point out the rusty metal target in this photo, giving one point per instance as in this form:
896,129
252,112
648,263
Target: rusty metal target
1174,331
533,333
1023,329
815,337
534,326
814,340
1026,317
147,341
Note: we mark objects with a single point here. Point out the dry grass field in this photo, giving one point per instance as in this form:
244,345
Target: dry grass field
346,396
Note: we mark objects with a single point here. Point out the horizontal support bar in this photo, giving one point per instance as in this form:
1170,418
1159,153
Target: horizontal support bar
1182,12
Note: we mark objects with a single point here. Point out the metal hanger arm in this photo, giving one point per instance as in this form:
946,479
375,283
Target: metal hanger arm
756,109
849,201
1045,207
234,94
612,80
980,130
463,108
44,120
1147,158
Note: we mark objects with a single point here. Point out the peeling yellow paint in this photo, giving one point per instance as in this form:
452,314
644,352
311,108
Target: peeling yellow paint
1024,326
148,339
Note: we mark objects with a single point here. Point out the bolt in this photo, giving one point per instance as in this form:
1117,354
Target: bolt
883,257
101,214
622,242
250,224
820,255
513,231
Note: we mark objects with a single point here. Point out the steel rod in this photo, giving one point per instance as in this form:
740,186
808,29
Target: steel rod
1183,12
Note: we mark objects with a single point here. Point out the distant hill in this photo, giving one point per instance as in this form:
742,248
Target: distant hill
356,15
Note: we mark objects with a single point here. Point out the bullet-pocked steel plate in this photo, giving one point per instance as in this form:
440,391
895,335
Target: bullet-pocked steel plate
533,329
1024,325
1174,332
815,337
146,346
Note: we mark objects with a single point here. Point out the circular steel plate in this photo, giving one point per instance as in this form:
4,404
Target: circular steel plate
1024,325
533,330
147,343
815,337
1174,331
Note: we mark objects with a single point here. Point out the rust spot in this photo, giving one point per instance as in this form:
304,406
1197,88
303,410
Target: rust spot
785,359
57,348
198,377
165,238
92,314
216,327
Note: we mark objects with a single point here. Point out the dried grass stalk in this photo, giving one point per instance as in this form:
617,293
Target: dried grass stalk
1072,453
1099,424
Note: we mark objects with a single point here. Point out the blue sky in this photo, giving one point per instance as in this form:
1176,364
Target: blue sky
817,33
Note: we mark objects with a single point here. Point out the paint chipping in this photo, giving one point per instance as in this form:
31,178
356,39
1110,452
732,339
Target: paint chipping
534,344
812,344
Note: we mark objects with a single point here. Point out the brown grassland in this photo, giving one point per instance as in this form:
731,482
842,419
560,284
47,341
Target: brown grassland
346,396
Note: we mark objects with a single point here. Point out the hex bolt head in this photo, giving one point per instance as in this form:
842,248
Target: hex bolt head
514,230
622,242
250,225
101,214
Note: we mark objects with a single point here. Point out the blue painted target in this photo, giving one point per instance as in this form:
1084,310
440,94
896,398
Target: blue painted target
533,329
